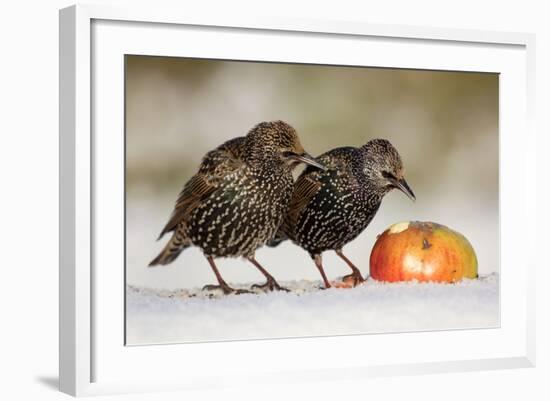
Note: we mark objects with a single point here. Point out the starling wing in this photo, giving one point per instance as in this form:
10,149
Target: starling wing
214,167
306,187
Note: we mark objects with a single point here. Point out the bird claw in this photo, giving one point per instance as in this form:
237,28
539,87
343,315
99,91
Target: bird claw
324,287
355,278
270,285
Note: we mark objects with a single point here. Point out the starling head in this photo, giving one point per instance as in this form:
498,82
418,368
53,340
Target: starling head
383,167
278,139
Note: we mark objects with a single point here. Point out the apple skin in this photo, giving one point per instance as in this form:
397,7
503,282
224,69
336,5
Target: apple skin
422,251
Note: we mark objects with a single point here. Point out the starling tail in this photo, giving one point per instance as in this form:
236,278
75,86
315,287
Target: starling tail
172,250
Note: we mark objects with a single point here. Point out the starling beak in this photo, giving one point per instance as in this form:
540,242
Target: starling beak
305,158
402,185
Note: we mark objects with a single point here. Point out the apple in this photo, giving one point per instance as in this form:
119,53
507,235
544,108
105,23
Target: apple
422,251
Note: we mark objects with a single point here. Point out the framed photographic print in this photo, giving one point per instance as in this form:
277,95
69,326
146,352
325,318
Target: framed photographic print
276,190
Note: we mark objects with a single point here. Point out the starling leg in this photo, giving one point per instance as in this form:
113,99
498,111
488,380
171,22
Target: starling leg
223,285
356,274
271,284
319,263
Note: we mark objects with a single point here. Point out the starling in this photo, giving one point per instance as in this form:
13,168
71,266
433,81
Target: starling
237,200
331,207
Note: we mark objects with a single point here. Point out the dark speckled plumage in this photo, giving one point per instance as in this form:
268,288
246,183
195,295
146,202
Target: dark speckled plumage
331,208
237,199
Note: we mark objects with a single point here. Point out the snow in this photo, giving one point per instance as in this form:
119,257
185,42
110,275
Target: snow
192,315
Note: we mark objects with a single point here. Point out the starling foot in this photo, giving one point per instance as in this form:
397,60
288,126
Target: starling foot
354,277
223,285
270,285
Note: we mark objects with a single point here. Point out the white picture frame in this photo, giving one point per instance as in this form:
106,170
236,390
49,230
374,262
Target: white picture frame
93,359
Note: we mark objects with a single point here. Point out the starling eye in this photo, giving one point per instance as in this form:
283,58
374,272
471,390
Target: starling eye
288,154
388,175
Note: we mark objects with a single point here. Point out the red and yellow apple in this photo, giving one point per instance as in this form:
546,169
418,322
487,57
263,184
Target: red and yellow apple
422,251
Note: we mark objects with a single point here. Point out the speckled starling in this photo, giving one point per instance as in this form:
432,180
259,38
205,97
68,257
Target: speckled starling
237,200
332,207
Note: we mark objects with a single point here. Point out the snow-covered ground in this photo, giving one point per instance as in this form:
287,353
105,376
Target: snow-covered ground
172,316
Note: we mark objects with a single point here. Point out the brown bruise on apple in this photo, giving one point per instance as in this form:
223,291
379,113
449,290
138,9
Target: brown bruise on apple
423,251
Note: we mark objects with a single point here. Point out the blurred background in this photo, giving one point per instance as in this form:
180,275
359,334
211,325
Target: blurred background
444,125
